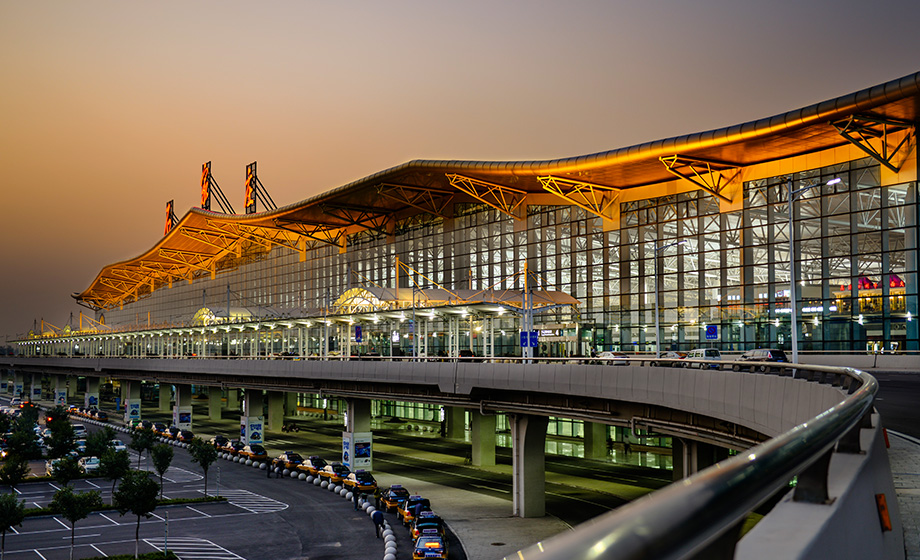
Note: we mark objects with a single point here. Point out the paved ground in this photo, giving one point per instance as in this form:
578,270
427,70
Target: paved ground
904,455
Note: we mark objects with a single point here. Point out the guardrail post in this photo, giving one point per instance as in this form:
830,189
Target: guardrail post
812,484
849,443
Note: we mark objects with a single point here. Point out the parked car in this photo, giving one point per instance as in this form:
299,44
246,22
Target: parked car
668,359
392,497
407,510
185,436
159,429
360,481
312,465
334,472
287,460
118,445
708,354
612,358
233,447
171,432
79,431
430,547
89,464
428,523
761,355
254,451
218,441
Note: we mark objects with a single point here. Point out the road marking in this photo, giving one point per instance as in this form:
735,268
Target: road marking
197,511
253,502
61,522
491,488
109,518
93,485
85,536
191,549
40,554
104,555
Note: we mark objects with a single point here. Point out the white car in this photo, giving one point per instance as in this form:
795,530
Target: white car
707,354
118,445
79,430
89,464
612,358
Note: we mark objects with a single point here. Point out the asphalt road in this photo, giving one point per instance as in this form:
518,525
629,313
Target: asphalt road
263,518
898,401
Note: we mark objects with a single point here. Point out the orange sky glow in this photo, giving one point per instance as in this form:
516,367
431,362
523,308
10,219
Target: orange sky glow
109,108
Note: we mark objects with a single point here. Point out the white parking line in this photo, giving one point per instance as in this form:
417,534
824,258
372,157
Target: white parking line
40,554
104,516
104,555
61,522
195,549
253,502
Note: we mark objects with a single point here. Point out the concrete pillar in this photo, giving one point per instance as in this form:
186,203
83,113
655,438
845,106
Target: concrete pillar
275,411
233,399
18,387
359,415
454,422
60,390
528,435
165,397
689,457
215,402
483,433
35,395
595,440
251,423
290,404
131,397
92,392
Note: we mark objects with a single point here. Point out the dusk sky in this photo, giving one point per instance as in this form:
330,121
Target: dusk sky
109,109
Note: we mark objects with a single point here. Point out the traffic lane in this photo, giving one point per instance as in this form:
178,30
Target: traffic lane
898,395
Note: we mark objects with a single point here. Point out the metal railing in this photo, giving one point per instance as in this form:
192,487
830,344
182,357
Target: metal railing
701,516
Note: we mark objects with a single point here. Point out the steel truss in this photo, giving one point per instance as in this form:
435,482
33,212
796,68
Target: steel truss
706,174
596,199
861,129
502,198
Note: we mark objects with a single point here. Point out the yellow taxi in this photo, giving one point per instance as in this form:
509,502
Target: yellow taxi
360,480
429,547
392,497
312,465
334,472
407,510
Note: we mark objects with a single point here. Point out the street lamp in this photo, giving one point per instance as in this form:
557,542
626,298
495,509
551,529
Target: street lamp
657,330
793,196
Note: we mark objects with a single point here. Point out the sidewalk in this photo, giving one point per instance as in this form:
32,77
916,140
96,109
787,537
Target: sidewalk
904,456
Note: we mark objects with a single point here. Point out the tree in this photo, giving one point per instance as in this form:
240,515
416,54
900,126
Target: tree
75,506
12,512
23,442
114,465
62,440
204,455
162,456
14,471
142,440
98,442
56,415
66,469
137,494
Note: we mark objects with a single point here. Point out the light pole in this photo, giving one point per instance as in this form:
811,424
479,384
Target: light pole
793,196
657,329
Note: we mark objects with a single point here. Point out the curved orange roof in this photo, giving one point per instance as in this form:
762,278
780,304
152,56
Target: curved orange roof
205,242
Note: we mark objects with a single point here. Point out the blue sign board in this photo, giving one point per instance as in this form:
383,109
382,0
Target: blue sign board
534,339
358,333
712,332
524,339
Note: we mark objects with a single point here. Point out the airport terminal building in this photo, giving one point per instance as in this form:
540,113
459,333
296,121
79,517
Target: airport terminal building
457,258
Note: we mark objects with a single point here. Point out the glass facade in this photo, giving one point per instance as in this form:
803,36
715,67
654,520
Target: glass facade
855,257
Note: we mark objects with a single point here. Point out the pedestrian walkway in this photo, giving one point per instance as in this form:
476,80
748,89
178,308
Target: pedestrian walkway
904,456
194,549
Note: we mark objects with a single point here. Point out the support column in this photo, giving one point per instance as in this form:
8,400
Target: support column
60,390
528,465
35,395
483,452
595,440
131,395
233,399
215,401
454,422
92,392
251,423
182,411
18,388
165,397
357,439
689,457
290,404
275,411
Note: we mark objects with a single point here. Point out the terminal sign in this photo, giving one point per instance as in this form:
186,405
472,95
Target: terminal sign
530,338
712,332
